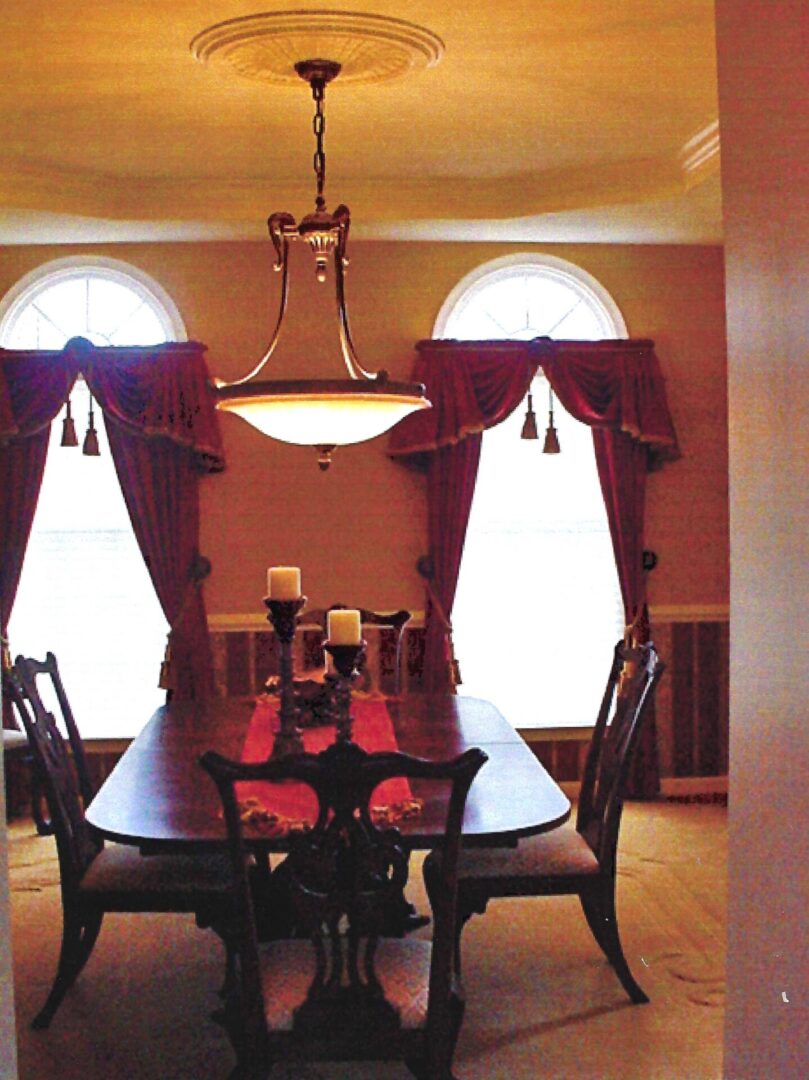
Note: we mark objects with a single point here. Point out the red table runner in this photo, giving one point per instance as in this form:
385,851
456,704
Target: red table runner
279,807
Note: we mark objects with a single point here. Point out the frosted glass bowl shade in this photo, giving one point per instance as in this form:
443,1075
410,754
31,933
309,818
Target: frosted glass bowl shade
326,412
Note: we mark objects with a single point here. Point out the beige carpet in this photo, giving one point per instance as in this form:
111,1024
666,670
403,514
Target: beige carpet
541,1001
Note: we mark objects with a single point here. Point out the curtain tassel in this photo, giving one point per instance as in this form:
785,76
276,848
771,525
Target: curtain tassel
90,447
166,679
69,436
529,426
551,435
454,667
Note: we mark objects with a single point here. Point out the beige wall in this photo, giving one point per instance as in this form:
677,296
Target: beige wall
765,152
358,530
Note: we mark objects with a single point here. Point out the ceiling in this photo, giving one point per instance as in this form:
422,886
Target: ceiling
544,120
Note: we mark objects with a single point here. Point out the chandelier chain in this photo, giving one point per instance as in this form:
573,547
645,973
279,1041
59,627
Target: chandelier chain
319,128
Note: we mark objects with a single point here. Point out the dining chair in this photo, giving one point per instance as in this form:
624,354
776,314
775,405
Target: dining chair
341,990
96,879
578,860
55,691
393,622
16,749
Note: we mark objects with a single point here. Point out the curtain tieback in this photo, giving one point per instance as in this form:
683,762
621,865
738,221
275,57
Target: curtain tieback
636,633
425,569
5,653
200,569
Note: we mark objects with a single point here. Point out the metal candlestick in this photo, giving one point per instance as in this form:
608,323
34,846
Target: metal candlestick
346,658
283,615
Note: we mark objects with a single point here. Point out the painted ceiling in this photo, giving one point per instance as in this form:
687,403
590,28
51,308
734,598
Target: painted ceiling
541,120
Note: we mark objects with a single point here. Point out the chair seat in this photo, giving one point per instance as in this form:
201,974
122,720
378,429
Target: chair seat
120,870
14,740
559,853
401,965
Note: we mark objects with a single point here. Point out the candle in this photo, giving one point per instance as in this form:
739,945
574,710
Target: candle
283,583
344,627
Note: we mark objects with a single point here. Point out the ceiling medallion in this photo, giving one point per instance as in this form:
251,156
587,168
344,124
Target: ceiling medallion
368,48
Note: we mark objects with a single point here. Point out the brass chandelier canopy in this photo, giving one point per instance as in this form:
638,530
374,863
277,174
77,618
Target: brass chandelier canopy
324,413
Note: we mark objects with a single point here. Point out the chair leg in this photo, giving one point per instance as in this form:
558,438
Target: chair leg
599,910
78,938
44,825
465,907
436,1062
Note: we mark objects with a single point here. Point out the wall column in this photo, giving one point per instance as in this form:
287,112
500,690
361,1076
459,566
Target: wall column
8,1036
763,93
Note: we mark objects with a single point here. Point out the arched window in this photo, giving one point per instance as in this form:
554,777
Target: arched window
538,606
85,593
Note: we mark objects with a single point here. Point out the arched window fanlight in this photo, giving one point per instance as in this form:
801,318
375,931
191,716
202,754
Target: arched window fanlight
107,301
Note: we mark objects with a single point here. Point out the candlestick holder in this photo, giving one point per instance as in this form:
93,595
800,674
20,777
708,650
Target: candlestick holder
283,615
346,658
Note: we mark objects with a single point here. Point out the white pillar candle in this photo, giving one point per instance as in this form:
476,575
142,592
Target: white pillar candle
283,583
344,627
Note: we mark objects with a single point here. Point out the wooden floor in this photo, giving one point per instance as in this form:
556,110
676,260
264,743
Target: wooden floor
541,1001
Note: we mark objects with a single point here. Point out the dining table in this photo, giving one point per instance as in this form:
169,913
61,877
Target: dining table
159,798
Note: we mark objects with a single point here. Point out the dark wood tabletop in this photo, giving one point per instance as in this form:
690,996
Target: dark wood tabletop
159,798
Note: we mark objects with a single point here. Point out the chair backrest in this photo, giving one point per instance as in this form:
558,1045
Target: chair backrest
50,668
76,844
633,678
342,874
393,622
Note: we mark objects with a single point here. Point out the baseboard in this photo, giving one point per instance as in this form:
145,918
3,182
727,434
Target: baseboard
694,788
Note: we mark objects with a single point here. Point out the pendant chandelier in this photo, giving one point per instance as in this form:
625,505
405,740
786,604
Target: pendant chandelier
323,413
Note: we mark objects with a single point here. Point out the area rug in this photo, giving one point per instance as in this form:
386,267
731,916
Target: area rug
541,1001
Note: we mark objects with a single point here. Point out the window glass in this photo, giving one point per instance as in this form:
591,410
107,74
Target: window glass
538,607
85,593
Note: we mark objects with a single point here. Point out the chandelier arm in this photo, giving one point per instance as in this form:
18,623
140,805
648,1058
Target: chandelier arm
281,226
355,369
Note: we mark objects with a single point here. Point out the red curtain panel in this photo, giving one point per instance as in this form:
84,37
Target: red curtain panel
22,463
616,387
163,432
472,386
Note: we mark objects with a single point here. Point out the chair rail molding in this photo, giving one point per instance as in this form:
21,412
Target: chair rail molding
696,613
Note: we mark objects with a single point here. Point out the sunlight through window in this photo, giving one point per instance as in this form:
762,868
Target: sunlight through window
85,593
537,641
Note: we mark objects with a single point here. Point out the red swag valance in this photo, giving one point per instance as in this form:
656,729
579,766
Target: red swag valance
474,385
155,390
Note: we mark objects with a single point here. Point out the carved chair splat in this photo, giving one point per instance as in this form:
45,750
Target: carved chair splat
49,668
345,992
